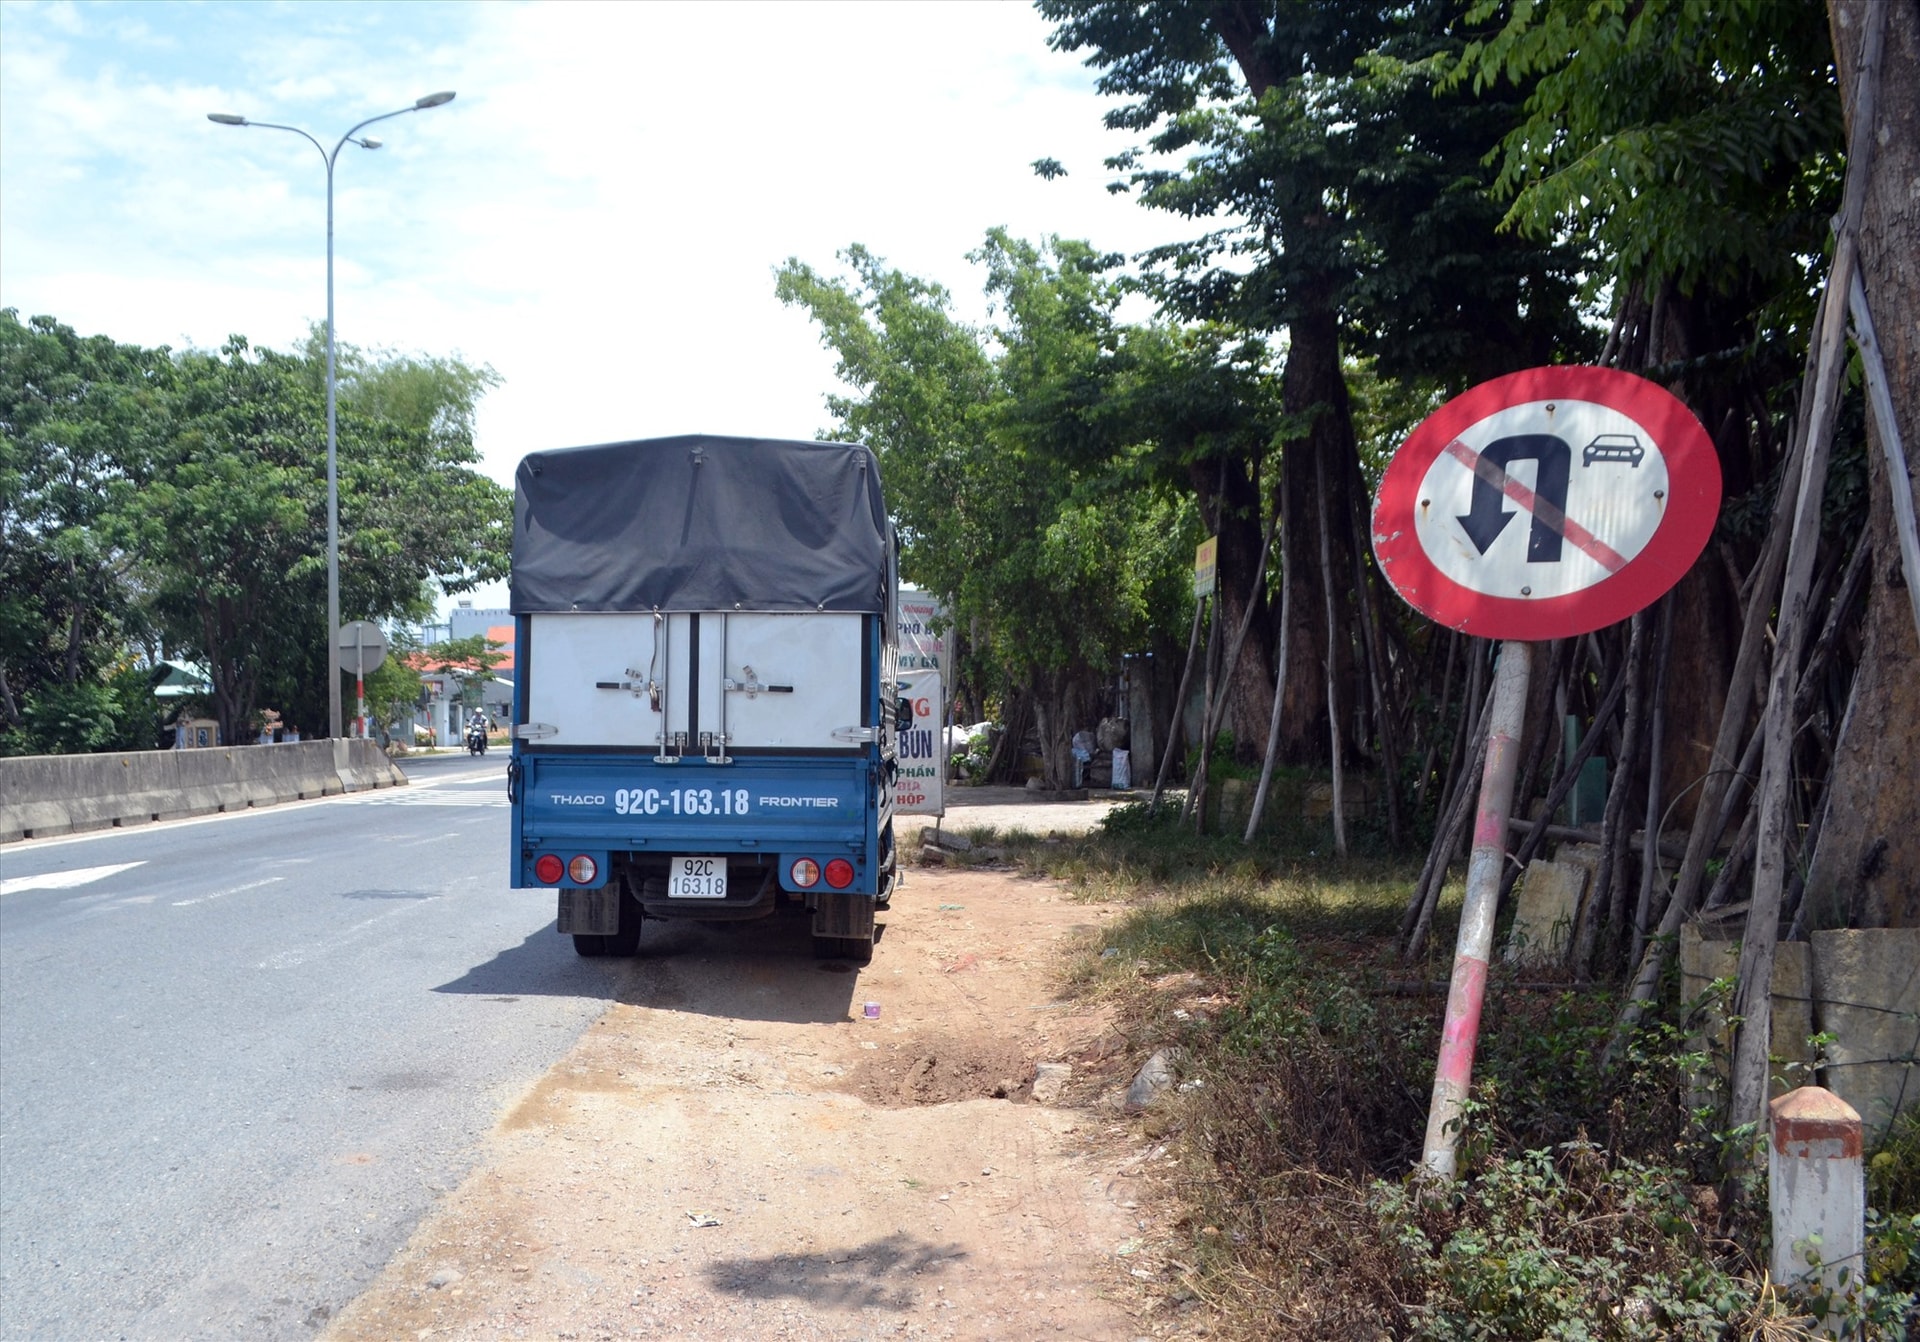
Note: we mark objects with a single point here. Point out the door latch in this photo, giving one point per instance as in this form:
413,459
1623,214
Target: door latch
650,688
751,686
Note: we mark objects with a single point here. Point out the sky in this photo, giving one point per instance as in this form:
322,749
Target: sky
597,215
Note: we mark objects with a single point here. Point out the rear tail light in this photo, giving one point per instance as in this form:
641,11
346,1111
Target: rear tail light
549,869
839,873
583,870
804,873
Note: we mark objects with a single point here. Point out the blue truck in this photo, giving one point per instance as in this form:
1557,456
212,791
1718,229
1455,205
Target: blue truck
707,707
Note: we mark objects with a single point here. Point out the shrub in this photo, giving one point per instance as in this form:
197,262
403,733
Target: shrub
1567,1245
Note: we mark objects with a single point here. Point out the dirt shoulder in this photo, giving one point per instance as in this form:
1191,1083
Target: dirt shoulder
738,1151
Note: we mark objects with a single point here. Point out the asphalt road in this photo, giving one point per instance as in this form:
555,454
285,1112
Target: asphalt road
241,1056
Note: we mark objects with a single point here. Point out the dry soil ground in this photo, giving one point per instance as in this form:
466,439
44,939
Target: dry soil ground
736,1151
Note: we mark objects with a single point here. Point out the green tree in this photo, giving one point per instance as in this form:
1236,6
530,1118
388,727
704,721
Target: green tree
470,661
1096,532
924,385
1865,870
76,415
415,497
232,525
1019,494
225,517
1693,145
1699,149
394,689
1348,208
150,497
436,394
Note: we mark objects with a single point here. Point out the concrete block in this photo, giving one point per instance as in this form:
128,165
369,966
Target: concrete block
1356,794
1816,1191
1702,960
275,775
362,765
1543,920
1230,800
1586,856
1866,989
1230,804
46,795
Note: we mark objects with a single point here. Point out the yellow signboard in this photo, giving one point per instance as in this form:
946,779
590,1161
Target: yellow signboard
1205,572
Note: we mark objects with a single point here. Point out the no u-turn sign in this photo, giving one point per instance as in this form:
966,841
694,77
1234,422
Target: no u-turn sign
1547,503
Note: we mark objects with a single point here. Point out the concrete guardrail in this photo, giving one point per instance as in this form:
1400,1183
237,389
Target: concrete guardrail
43,795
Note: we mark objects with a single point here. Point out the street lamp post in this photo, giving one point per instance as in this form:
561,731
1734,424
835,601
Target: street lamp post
333,478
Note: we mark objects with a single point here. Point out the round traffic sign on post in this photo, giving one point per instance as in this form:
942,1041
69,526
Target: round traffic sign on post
361,647
1547,503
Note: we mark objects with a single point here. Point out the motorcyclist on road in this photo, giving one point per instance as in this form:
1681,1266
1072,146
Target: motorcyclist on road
477,733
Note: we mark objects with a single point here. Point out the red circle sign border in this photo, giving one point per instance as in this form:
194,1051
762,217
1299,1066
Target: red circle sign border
1692,507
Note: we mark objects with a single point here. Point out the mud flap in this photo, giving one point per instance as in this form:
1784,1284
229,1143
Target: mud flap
843,917
590,912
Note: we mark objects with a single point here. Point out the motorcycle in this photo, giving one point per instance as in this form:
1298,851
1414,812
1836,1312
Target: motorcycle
476,739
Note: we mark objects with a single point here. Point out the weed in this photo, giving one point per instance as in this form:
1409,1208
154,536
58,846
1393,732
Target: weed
1893,1172
1566,1244
1587,1205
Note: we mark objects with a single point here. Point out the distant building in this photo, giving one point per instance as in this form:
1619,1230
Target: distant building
442,713
179,680
464,621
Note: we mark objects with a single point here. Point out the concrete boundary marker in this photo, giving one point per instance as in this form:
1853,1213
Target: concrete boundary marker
46,795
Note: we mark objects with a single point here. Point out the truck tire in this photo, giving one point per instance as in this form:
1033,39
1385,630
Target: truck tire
627,940
859,950
889,868
622,943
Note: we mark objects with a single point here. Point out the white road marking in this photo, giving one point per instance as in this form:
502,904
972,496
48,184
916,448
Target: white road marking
222,894
301,954
65,880
407,797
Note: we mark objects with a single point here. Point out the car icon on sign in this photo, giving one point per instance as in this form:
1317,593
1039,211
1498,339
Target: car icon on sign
1614,447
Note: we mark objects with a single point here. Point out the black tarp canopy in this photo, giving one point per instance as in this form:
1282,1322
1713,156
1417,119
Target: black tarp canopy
700,523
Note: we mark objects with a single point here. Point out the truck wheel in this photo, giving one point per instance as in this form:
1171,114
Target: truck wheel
627,940
857,949
624,942
889,868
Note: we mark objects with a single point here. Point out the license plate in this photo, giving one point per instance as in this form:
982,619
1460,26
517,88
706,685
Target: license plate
698,878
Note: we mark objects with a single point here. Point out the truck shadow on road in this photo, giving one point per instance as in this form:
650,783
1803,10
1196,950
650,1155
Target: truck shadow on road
762,970
875,1275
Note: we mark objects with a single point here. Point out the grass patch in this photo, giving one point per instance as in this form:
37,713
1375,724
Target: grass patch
1586,1206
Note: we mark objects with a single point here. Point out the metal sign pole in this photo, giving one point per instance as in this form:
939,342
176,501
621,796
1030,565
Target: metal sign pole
359,648
1623,495
1468,989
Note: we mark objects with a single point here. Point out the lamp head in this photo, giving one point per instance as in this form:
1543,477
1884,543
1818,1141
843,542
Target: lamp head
227,118
368,142
432,100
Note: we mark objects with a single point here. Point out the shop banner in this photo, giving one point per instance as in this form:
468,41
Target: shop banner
919,787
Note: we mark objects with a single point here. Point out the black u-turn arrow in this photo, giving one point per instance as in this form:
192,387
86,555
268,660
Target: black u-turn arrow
1487,519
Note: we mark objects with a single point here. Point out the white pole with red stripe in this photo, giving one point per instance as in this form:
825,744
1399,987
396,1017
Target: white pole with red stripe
1453,1076
1622,495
